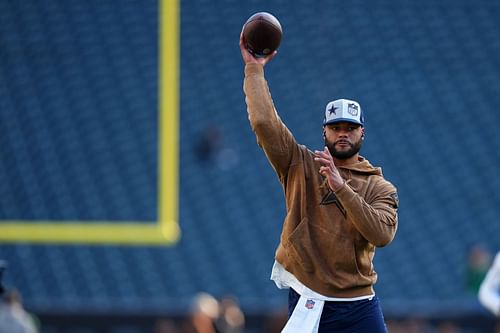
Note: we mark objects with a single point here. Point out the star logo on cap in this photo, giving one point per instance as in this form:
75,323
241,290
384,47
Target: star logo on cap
332,109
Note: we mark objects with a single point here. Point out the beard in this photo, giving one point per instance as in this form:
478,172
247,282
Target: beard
344,154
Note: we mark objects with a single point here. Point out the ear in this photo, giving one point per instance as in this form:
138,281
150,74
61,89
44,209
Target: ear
362,133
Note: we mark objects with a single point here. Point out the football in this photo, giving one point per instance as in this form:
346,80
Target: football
262,33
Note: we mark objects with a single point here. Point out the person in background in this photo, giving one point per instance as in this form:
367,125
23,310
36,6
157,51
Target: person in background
208,145
489,291
13,317
204,312
479,260
231,318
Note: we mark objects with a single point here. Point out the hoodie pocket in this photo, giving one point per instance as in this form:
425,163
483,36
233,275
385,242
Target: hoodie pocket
337,262
326,252
300,245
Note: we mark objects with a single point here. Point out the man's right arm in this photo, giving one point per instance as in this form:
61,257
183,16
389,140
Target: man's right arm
272,135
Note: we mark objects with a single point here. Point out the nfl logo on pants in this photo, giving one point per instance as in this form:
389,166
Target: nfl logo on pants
309,304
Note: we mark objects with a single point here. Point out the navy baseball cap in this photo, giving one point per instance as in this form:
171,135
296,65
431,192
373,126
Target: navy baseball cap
343,110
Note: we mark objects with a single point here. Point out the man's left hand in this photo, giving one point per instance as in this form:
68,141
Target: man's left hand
328,169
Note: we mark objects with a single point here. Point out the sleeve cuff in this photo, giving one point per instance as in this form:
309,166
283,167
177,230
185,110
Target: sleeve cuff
344,193
254,69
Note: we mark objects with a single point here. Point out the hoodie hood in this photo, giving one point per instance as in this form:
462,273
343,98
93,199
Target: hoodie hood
363,166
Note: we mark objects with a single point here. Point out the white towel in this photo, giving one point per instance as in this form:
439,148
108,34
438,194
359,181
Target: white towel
305,317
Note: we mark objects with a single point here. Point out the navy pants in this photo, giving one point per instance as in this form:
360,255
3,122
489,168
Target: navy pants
339,317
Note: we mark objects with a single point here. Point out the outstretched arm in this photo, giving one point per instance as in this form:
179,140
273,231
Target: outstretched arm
272,134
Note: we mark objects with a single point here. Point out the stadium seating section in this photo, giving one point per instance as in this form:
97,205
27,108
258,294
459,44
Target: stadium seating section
79,132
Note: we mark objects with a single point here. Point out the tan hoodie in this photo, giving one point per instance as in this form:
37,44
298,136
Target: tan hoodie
328,239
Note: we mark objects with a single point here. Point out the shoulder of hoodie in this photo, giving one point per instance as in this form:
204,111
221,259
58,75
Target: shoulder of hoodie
375,173
363,167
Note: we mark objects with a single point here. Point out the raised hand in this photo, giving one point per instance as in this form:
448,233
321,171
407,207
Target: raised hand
248,58
328,169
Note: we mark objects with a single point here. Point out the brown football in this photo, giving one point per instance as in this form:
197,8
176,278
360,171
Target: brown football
262,34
